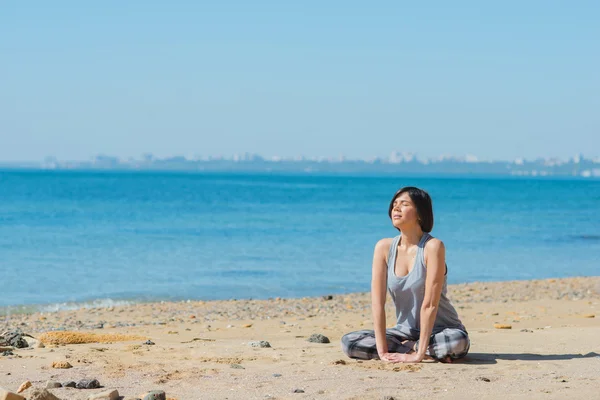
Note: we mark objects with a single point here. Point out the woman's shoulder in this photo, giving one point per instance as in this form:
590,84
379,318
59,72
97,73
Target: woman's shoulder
383,245
434,245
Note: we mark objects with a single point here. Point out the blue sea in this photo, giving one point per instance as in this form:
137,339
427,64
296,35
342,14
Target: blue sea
70,239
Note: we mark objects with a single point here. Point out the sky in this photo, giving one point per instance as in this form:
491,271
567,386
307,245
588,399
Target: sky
498,80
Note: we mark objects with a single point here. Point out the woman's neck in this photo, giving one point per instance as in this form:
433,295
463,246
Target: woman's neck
411,237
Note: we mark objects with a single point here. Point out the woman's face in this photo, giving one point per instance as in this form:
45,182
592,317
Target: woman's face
404,212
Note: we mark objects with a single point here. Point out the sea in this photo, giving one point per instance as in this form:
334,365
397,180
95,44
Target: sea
72,239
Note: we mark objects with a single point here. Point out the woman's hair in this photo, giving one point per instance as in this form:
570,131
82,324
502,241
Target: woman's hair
422,202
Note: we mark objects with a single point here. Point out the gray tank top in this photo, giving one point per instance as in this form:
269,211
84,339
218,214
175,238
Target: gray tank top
408,293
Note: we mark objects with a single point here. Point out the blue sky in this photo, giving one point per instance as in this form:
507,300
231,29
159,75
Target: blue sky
495,79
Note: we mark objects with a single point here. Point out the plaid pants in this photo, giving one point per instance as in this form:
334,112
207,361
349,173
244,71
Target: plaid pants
449,342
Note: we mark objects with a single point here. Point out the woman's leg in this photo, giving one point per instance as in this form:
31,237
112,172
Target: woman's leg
449,343
361,344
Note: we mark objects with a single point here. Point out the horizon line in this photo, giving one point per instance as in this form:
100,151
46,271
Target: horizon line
398,157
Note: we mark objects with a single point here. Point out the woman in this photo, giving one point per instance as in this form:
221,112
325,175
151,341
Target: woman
412,266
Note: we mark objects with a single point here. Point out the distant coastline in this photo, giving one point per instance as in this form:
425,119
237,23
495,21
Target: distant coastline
396,163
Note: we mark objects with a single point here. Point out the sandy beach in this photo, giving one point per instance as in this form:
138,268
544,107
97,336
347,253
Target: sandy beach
202,350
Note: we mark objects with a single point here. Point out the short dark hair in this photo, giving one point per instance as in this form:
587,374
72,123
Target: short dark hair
422,202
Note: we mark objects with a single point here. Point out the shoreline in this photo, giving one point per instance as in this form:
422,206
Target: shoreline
203,349
566,285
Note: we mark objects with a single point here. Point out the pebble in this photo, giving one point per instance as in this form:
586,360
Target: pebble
298,391
247,326
276,375
53,385
34,343
8,353
14,338
88,384
61,365
260,343
155,395
526,330
502,326
483,378
6,395
149,343
107,395
24,386
70,384
328,297
588,316
41,394
318,338
388,398
237,366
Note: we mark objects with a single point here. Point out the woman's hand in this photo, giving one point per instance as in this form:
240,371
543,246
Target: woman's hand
401,357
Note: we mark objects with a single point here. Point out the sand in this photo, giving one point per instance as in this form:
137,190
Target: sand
545,345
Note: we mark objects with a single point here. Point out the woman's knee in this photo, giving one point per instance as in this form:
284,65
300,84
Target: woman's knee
466,345
353,346
346,342
460,346
453,343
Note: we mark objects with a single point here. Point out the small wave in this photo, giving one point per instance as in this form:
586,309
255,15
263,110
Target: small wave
67,306
587,237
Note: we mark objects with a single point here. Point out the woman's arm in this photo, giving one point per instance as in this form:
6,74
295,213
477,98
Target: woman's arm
378,295
434,282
